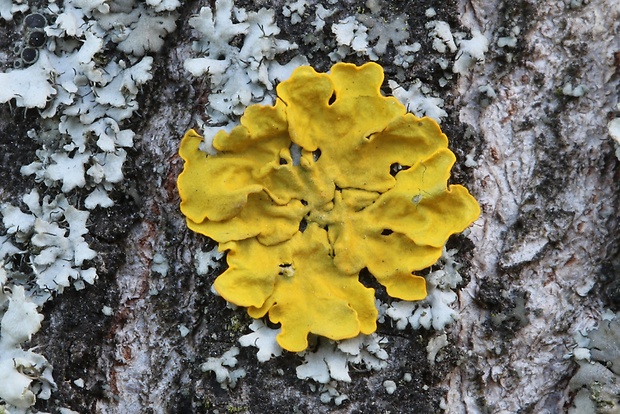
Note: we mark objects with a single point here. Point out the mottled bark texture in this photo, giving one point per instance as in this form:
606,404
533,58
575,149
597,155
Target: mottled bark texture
546,178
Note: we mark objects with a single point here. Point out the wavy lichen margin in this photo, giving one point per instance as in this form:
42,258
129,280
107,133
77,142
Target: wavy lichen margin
304,194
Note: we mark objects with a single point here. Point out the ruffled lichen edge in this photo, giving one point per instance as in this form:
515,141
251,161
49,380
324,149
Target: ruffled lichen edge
301,212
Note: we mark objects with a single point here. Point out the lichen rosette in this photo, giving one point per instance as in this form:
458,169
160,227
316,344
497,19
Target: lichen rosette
304,194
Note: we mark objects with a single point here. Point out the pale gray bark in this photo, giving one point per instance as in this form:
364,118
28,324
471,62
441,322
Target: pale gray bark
547,181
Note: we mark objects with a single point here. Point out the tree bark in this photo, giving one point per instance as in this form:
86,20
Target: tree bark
535,261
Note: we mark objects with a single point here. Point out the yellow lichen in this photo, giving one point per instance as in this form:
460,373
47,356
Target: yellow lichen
305,194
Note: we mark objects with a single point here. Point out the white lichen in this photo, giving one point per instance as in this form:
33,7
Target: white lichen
239,75
30,87
295,10
613,128
85,97
597,354
352,34
332,360
222,367
107,311
327,362
576,91
367,35
8,8
160,264
85,105
183,330
141,31
24,375
321,13
418,100
204,261
383,32
471,52
366,351
57,252
440,33
263,338
434,346
329,392
390,386
434,311
405,55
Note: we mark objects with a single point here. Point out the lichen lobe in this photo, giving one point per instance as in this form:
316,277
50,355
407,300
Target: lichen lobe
309,185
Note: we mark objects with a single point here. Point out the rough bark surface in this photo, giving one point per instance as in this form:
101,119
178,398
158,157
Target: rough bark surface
546,179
